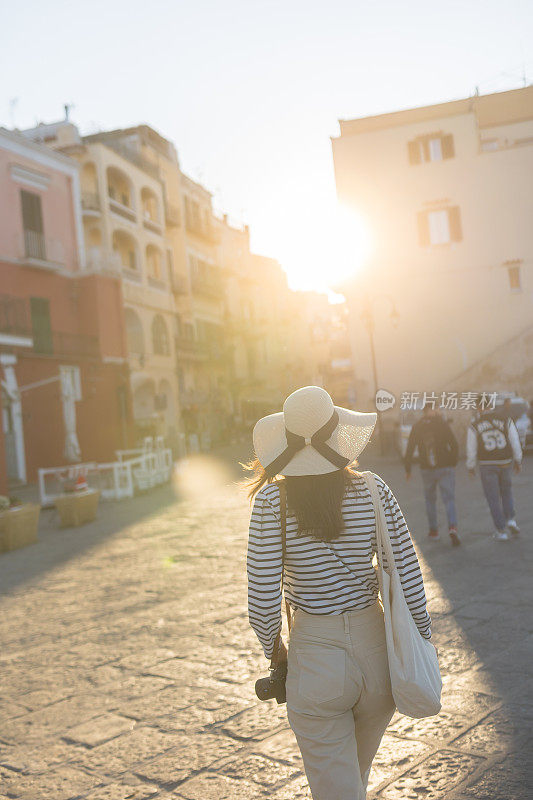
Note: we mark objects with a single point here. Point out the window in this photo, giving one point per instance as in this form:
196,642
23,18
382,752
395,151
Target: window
41,325
515,281
160,341
32,223
434,147
441,226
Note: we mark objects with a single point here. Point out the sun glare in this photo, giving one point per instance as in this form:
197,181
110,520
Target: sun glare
336,249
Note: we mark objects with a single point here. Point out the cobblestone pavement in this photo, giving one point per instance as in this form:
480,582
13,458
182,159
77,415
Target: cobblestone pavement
127,663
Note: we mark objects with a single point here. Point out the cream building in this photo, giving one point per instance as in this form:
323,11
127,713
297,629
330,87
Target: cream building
125,224
447,193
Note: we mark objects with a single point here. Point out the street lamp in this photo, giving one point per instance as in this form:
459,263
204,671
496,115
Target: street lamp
367,316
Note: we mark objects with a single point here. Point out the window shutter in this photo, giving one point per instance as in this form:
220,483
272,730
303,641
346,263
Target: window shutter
413,149
454,218
423,228
448,150
32,214
425,149
41,325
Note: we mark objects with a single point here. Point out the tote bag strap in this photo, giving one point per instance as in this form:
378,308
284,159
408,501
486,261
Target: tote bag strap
283,525
383,542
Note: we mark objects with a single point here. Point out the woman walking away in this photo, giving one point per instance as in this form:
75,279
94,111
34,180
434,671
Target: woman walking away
339,699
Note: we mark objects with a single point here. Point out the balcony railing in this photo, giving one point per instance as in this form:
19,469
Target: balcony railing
210,287
34,245
120,208
172,215
101,260
152,224
37,250
90,201
206,232
14,316
131,155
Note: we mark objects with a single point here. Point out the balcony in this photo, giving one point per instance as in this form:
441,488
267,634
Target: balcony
206,232
101,260
90,204
66,345
36,250
190,348
212,287
172,216
179,283
153,225
121,209
15,329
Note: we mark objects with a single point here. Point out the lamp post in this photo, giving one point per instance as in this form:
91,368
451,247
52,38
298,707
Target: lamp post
367,316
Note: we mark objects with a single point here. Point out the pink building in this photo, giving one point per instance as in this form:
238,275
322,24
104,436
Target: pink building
63,364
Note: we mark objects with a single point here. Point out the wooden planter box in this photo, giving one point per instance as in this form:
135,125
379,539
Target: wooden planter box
18,526
77,508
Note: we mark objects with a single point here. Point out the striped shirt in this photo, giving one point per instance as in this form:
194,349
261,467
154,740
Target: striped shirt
326,577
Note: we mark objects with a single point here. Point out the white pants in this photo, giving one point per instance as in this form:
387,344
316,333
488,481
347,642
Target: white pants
339,699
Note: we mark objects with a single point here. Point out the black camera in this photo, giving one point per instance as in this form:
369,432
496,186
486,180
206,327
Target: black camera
273,686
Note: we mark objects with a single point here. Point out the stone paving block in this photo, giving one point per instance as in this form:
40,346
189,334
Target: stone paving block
186,758
43,697
281,746
197,718
394,755
218,787
257,769
502,730
297,789
256,722
62,783
143,659
41,757
9,710
442,727
123,791
500,683
511,779
123,753
468,704
457,658
58,717
159,704
100,729
433,777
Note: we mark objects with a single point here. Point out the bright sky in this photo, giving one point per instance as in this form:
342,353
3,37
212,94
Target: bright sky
250,92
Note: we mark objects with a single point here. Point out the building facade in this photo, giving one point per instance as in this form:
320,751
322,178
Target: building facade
63,365
446,191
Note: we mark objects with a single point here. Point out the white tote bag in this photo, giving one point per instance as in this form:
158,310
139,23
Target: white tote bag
414,668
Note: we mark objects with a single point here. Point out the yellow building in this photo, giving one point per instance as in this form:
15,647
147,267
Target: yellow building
447,193
125,223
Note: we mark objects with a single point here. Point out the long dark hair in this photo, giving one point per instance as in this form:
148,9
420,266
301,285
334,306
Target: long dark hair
315,500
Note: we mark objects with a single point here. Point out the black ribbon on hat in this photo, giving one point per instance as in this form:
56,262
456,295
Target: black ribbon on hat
318,440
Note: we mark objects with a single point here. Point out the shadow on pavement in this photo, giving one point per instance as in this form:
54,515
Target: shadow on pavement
480,600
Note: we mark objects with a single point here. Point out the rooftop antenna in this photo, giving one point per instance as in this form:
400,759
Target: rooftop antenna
68,107
13,103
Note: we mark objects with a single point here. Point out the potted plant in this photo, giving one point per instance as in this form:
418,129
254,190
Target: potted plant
19,523
78,503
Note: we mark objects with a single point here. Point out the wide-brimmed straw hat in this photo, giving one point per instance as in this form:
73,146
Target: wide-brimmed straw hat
311,436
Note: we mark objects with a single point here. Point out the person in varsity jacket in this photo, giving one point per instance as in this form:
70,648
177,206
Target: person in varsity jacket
493,442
